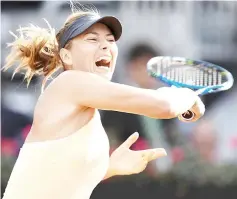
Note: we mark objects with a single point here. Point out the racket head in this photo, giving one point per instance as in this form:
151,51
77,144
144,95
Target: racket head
200,76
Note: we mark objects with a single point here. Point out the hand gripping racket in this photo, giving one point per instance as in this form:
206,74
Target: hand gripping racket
200,76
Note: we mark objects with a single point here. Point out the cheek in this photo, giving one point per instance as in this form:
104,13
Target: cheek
79,57
114,51
84,53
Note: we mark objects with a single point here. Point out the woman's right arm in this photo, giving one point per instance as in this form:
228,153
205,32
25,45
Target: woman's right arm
90,90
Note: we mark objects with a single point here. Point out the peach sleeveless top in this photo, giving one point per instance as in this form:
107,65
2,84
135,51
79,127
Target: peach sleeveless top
66,168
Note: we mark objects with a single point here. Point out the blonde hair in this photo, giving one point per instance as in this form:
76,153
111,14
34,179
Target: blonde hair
36,49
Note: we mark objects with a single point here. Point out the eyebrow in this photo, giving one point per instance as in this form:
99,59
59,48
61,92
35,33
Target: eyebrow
95,33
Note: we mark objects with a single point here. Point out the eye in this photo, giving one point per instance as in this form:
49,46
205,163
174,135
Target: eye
92,39
111,39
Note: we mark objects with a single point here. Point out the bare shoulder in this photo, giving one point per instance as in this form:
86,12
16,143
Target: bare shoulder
72,73
74,77
64,83
78,87
60,93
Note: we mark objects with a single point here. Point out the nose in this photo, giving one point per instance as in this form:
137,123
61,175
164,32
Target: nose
104,45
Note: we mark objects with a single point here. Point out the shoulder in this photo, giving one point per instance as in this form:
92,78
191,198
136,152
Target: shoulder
72,80
67,86
70,75
68,79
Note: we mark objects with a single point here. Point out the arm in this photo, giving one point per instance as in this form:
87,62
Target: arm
90,90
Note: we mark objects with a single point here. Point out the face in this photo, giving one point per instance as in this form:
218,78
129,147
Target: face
94,51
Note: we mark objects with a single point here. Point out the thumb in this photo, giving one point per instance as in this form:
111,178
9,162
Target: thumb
131,140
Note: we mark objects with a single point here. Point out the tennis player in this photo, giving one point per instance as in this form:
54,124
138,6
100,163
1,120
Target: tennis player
66,153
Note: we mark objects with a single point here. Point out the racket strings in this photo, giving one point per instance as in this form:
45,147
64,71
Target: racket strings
196,75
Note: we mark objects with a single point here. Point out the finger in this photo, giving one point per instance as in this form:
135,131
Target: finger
131,140
201,106
152,154
198,109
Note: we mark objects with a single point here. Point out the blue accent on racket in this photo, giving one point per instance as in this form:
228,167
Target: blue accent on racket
201,76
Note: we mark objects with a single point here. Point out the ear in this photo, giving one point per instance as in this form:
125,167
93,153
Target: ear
66,56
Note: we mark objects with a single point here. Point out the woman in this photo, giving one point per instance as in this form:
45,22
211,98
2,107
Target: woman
66,153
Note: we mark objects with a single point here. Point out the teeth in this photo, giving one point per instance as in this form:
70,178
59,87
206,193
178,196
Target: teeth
104,58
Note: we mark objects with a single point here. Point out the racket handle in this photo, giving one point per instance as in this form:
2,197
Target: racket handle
187,116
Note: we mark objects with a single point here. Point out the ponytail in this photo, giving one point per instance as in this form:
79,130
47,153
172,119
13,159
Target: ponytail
35,50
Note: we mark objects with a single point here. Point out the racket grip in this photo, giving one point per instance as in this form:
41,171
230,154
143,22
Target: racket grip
187,116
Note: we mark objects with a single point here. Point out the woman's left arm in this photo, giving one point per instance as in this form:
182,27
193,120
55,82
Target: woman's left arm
124,161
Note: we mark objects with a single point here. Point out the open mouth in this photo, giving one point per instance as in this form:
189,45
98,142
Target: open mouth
103,62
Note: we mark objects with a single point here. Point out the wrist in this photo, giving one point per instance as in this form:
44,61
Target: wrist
111,171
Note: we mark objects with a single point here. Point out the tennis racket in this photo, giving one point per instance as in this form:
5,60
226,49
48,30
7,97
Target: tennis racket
200,76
